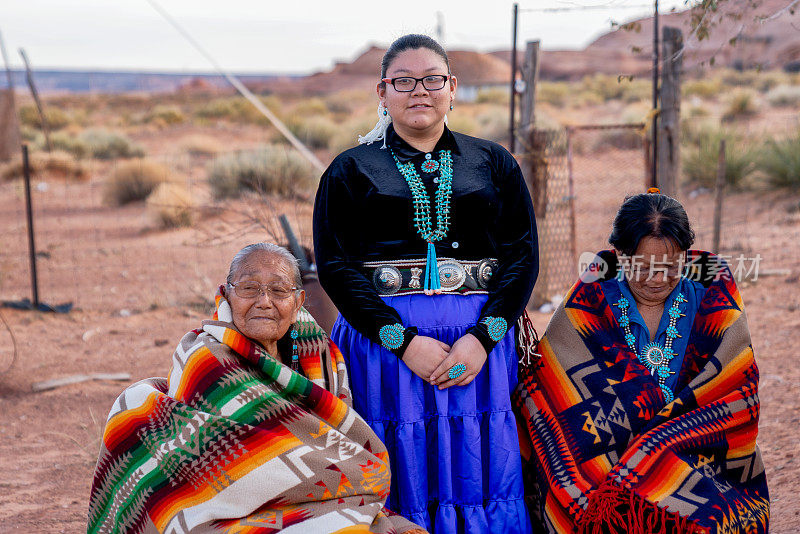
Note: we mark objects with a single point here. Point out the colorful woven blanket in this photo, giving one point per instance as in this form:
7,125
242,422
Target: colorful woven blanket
234,441
607,454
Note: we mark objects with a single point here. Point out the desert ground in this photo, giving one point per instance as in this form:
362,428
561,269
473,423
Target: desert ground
138,285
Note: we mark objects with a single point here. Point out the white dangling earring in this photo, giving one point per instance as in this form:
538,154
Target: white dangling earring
379,131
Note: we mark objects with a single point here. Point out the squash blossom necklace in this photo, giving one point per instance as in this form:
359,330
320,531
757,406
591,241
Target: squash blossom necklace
422,209
654,356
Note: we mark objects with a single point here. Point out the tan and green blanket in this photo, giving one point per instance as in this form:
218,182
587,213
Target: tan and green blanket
235,441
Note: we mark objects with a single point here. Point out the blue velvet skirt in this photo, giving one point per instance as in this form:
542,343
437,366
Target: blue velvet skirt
454,453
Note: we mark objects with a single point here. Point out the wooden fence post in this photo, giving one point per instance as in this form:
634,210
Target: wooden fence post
534,167
669,119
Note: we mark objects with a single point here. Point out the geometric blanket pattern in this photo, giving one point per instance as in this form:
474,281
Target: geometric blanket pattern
235,441
605,452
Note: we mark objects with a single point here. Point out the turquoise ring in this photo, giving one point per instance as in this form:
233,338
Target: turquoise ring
457,370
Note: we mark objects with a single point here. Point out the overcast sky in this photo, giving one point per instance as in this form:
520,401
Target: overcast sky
292,36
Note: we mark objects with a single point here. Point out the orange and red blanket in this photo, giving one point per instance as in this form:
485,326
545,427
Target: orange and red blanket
606,453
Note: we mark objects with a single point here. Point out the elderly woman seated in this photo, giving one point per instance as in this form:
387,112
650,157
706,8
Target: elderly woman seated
252,431
642,405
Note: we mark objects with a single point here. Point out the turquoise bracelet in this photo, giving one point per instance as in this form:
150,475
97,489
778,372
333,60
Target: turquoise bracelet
391,336
496,327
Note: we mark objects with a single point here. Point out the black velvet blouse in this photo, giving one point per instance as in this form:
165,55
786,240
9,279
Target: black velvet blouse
364,212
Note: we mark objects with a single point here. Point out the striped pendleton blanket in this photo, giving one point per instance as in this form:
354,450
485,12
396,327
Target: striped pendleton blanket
234,441
607,454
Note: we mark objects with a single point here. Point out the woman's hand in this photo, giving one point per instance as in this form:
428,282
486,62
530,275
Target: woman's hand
467,350
424,354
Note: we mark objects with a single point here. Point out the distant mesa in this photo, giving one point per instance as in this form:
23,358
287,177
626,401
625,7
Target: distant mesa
774,44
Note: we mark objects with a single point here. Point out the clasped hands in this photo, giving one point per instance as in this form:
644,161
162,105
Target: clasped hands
430,359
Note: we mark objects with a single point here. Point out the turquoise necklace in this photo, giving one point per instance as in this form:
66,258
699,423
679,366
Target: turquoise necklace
654,356
422,211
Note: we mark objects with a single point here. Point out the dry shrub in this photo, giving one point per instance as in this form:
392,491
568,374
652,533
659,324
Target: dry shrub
134,180
784,96
310,107
701,154
68,142
171,205
315,131
199,146
494,95
703,88
555,93
31,135
269,169
779,160
238,109
347,134
459,122
57,164
105,144
168,115
349,100
741,104
55,117
493,124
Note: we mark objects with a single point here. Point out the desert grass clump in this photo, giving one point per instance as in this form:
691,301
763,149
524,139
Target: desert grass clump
315,131
784,96
462,123
779,161
68,142
707,88
134,180
30,135
554,93
56,118
44,165
270,169
310,107
105,144
347,133
493,124
701,156
170,205
740,105
167,115
494,95
200,146
238,110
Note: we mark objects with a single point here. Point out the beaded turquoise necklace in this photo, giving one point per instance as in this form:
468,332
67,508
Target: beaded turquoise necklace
654,356
422,212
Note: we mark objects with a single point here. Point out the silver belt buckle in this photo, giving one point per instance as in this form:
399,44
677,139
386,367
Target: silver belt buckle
387,279
452,275
484,272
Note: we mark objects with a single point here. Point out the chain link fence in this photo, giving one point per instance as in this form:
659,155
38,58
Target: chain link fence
100,256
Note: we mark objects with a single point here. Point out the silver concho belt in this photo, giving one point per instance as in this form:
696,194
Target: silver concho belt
406,276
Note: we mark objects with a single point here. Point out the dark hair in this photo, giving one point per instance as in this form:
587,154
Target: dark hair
650,215
412,41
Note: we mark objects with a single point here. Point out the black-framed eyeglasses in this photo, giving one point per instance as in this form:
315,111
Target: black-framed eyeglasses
406,84
250,289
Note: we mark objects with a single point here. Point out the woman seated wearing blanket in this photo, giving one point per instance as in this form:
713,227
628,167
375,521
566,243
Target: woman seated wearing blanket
642,408
252,431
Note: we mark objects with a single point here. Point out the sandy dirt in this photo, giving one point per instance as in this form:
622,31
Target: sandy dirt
137,290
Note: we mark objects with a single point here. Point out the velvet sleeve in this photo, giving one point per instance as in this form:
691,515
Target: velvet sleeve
336,249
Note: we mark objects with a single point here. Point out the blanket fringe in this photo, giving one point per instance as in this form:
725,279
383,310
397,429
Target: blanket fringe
615,509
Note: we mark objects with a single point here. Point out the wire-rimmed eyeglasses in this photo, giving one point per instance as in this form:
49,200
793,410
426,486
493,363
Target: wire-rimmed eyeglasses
406,84
250,289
